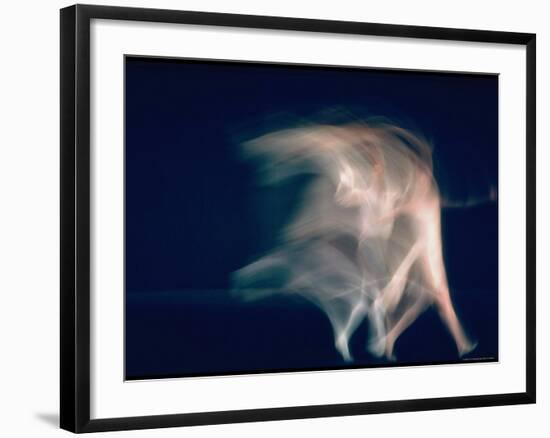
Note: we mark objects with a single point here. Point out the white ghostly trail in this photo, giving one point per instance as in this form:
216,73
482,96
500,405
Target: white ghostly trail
365,242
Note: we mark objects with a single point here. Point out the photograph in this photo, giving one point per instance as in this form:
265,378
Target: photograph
274,219
285,217
270,217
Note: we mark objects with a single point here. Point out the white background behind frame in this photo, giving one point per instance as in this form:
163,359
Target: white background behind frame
112,397
29,223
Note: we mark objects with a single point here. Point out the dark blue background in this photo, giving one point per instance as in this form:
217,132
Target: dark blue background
195,213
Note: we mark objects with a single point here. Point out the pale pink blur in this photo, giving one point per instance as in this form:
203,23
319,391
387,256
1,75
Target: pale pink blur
365,242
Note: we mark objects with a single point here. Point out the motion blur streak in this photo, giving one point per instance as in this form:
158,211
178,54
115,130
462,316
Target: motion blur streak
365,242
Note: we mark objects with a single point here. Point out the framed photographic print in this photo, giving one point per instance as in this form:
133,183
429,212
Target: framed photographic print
269,218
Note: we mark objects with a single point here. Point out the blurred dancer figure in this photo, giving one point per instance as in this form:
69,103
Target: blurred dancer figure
366,240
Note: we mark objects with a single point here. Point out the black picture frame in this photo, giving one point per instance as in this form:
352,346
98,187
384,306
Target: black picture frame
76,210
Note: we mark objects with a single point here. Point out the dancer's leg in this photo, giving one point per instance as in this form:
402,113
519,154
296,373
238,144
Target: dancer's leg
433,270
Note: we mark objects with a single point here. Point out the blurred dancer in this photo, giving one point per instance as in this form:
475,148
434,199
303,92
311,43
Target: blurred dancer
366,240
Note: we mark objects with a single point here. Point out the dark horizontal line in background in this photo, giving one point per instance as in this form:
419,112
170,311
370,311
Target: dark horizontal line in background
303,66
293,370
